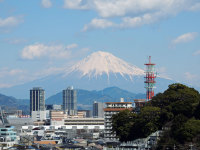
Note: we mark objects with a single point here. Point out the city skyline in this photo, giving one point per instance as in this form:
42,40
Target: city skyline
40,38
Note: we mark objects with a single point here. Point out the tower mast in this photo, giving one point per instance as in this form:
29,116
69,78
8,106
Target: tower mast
150,79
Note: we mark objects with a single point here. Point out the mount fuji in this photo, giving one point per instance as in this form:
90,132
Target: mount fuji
95,72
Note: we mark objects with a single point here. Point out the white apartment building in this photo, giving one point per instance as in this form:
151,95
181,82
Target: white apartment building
110,109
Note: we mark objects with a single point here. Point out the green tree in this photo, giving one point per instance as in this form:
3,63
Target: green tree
177,109
122,123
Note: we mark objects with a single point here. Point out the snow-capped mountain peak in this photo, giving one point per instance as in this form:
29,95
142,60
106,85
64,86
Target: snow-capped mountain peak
100,62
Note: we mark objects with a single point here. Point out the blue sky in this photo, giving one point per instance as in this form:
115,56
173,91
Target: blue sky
40,37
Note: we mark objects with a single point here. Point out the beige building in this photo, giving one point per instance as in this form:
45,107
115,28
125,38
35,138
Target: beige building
57,117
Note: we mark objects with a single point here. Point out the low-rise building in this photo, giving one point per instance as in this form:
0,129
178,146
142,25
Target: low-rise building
139,103
84,123
57,117
8,137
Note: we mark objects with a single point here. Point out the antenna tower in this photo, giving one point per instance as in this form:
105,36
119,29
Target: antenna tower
150,79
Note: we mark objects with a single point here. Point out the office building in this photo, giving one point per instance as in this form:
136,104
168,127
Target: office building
98,110
113,108
70,101
37,104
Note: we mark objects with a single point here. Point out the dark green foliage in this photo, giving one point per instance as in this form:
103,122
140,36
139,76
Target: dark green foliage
197,112
177,111
122,124
188,131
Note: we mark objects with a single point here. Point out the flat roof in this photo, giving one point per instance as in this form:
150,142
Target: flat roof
117,109
118,102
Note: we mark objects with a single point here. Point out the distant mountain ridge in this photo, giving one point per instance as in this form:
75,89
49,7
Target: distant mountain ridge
86,98
95,72
10,103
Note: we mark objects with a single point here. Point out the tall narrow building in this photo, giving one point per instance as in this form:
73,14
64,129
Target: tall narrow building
37,104
98,110
70,101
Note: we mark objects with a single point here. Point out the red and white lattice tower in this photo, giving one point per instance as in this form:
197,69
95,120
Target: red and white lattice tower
150,79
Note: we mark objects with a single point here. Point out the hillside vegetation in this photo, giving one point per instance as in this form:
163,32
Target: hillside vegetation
176,112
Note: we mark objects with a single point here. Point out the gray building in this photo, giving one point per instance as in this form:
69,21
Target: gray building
98,110
37,104
70,101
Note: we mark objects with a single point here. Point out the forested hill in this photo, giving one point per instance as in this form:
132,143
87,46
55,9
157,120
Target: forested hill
177,109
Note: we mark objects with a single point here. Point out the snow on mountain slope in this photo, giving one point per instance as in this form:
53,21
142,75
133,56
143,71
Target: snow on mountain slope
101,62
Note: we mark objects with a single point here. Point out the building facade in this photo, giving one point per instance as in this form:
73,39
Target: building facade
8,137
70,101
98,110
37,104
110,109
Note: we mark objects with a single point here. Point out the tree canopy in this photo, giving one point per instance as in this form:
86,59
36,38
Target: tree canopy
177,108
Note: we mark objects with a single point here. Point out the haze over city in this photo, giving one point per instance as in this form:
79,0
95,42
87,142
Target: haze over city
42,37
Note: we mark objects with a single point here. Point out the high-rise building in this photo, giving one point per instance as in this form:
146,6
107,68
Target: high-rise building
70,101
37,104
98,110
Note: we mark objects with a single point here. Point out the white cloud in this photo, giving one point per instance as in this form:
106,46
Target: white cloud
196,53
162,72
126,22
10,21
5,85
140,20
187,37
46,3
133,13
10,72
191,77
71,46
16,40
195,7
98,23
75,4
51,51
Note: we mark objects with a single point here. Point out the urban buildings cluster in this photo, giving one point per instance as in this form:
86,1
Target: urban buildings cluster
63,125
62,121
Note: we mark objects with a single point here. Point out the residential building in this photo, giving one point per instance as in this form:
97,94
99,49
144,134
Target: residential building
8,137
37,104
52,107
110,109
57,117
98,110
70,101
